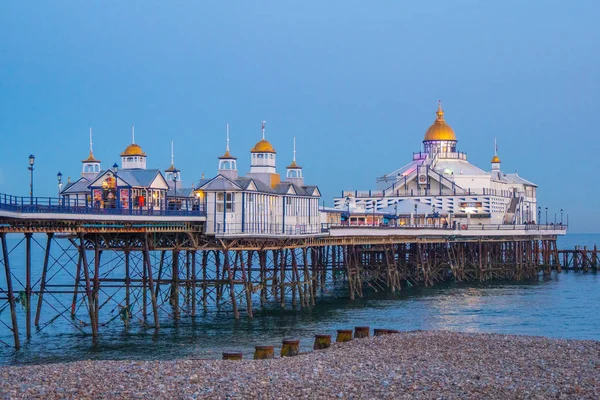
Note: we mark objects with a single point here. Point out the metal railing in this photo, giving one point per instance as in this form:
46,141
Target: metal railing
53,205
457,227
268,229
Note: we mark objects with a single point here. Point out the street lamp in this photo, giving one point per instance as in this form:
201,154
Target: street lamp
59,178
115,170
561,216
546,215
31,161
396,212
347,203
175,176
416,215
539,215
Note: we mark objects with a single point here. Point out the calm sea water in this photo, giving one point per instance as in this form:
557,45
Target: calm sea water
562,306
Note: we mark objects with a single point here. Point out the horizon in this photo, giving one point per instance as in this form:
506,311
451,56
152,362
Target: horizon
357,86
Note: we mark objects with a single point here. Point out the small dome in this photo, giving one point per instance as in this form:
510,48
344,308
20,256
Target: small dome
171,168
293,165
263,147
133,150
440,130
227,156
496,159
91,159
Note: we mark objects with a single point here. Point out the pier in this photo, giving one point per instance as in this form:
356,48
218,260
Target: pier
111,266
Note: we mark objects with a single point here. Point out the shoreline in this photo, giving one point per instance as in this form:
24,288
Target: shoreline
416,364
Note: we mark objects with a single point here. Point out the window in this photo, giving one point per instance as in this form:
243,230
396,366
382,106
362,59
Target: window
225,199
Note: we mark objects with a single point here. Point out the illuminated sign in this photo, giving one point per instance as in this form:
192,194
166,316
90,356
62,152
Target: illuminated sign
471,204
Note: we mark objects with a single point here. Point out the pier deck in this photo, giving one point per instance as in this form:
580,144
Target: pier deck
103,266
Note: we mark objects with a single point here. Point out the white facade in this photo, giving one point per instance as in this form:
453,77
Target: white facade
441,177
259,204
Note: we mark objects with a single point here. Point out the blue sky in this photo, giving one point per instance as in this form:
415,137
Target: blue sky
356,82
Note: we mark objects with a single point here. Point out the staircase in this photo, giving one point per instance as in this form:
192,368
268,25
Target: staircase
509,216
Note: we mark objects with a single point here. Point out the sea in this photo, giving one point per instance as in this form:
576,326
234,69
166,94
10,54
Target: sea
561,306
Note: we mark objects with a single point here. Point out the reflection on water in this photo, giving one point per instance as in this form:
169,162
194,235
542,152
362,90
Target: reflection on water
562,306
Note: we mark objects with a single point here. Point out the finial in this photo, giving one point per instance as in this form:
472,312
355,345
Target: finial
203,175
294,158
227,129
440,112
91,140
172,154
495,148
132,134
263,129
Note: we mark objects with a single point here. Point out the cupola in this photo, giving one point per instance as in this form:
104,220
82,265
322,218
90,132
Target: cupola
227,162
294,171
133,157
440,137
262,163
91,166
495,160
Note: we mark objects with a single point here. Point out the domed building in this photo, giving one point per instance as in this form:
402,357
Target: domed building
131,187
259,203
440,178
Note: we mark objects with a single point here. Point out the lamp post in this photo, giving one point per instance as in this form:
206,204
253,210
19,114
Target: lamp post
396,212
347,204
115,170
373,213
59,178
416,215
561,216
539,215
175,177
546,215
31,161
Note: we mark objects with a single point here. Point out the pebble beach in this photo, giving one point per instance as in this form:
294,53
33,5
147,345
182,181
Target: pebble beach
423,364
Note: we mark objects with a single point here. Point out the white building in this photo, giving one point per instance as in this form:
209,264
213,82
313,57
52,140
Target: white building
259,203
441,177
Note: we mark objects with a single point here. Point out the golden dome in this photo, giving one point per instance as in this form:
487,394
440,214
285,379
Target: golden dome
440,130
263,147
133,150
496,159
91,158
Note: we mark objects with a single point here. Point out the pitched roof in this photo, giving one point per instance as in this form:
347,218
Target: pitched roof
181,192
515,178
138,177
219,183
260,186
79,186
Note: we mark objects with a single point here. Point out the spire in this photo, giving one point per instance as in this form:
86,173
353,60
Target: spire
293,165
132,134
172,154
227,129
227,155
440,112
495,160
91,158
263,129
